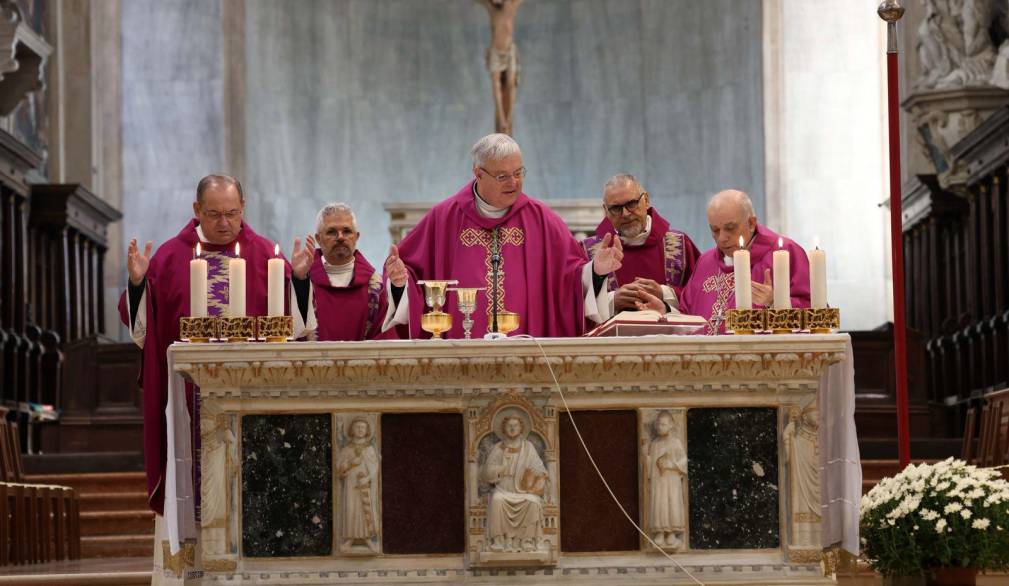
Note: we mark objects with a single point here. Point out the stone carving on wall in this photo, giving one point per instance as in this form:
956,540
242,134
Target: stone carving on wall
358,468
513,500
1000,74
503,60
954,45
23,55
801,443
664,472
220,464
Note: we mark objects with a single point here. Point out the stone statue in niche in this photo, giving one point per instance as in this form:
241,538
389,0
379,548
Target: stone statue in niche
954,46
219,464
665,472
358,469
801,442
516,471
1000,73
503,60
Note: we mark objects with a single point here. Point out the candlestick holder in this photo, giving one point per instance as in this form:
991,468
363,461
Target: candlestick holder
822,321
784,321
238,329
198,330
746,321
275,328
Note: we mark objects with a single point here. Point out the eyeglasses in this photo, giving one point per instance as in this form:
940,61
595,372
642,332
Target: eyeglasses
502,177
215,215
618,209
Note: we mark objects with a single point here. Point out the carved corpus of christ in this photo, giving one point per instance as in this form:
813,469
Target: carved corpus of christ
503,60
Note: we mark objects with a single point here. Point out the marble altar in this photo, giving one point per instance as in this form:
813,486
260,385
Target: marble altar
290,459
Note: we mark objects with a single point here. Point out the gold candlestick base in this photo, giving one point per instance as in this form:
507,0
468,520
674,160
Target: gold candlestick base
238,329
746,321
275,328
198,330
822,321
784,321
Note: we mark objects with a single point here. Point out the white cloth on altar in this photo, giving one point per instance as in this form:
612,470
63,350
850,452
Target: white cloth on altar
840,463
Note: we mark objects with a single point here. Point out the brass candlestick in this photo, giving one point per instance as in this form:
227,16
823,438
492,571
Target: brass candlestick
198,330
238,329
747,321
275,328
784,321
436,321
466,301
822,321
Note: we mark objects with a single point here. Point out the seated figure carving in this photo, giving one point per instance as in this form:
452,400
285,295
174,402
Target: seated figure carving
515,508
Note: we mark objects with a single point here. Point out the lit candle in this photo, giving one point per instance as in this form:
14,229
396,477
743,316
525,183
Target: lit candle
741,268
782,278
818,277
198,285
236,285
275,283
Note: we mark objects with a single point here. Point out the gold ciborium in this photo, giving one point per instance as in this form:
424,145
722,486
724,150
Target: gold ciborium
507,322
466,302
436,321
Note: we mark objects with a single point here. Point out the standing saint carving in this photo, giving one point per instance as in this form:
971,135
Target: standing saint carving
515,510
801,437
358,466
667,467
503,60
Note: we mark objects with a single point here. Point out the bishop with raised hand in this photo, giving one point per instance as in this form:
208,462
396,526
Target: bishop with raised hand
542,271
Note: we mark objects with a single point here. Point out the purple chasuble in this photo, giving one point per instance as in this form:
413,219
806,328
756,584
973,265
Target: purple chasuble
167,301
348,313
539,275
710,293
667,256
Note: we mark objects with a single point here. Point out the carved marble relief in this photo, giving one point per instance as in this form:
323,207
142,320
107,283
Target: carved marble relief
801,444
512,482
954,45
219,466
664,477
358,468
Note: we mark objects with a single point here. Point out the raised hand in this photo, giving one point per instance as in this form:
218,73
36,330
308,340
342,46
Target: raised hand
763,293
610,255
138,262
302,258
395,268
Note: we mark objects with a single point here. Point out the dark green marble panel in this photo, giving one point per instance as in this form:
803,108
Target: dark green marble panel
287,488
733,478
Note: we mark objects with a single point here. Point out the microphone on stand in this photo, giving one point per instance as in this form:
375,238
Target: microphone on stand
495,262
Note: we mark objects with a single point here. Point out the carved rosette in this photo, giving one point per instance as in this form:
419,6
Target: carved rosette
529,482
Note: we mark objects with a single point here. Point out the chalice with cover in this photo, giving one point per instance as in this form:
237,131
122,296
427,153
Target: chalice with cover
436,321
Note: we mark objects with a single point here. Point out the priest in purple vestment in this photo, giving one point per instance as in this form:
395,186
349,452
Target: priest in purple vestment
710,292
657,259
492,235
339,293
158,295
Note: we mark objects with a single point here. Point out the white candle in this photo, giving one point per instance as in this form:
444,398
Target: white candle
741,268
198,285
818,278
782,278
275,284
236,285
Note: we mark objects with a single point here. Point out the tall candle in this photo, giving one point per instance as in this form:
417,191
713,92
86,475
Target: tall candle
198,285
818,278
275,284
741,268
782,278
236,285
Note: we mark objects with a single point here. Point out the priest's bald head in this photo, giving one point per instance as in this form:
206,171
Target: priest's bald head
219,206
497,166
730,215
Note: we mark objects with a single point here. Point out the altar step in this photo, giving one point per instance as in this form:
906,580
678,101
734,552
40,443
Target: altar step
115,519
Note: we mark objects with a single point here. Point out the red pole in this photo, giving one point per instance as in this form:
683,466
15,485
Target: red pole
891,11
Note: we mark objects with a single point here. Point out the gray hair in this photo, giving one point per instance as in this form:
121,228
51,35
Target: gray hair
332,209
620,180
494,147
735,196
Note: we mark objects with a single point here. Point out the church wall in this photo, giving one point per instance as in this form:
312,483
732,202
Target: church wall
370,102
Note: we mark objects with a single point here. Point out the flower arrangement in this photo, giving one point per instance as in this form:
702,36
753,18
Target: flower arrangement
947,515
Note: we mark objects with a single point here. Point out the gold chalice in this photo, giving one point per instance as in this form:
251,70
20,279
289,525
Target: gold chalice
507,322
436,322
466,301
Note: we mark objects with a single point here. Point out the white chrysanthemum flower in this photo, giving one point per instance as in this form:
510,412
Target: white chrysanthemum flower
940,525
953,508
965,513
980,523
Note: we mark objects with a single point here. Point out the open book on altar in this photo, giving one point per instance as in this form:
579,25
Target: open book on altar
649,322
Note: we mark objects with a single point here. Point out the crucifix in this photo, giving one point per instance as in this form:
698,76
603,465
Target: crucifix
503,60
